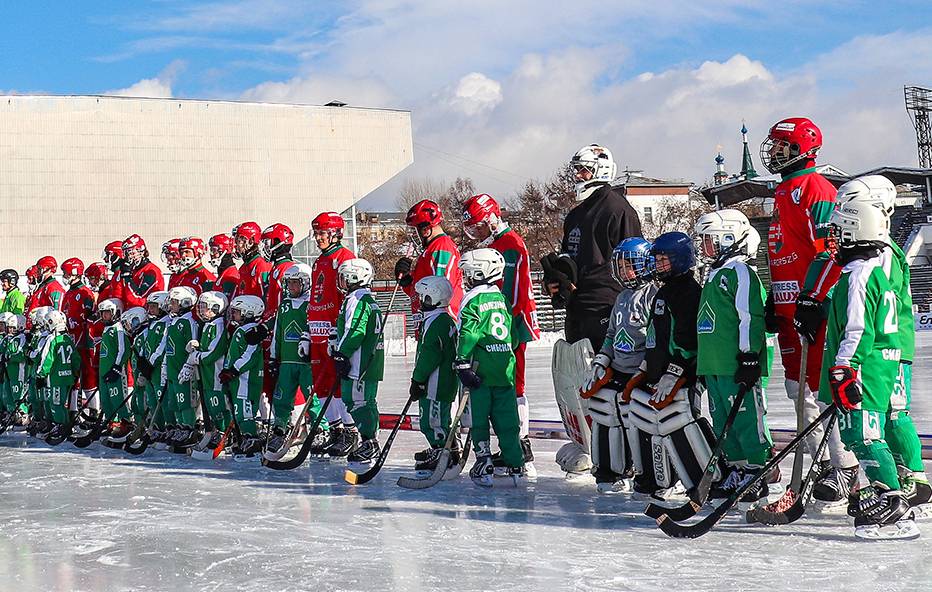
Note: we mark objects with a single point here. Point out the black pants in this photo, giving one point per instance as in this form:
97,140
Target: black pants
587,324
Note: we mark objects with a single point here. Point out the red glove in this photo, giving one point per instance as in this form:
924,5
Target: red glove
846,390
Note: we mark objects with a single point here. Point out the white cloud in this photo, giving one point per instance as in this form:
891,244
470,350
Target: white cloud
476,94
159,87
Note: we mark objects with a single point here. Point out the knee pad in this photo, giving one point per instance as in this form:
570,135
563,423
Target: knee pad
603,408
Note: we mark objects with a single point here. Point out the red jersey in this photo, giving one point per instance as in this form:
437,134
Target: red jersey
517,286
49,293
440,257
174,280
798,252
79,304
324,306
198,278
254,277
112,288
273,296
143,281
228,281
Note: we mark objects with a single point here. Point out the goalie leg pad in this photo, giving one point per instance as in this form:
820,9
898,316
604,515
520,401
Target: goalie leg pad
608,448
603,408
689,448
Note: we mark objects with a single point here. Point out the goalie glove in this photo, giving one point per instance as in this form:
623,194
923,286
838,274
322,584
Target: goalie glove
667,386
846,392
600,373
304,346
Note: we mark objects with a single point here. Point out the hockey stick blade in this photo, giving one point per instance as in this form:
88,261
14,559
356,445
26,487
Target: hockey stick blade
681,531
699,494
360,478
444,461
291,436
298,459
797,508
94,434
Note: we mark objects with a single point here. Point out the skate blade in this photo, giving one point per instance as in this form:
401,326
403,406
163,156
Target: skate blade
830,508
246,458
922,512
113,444
902,530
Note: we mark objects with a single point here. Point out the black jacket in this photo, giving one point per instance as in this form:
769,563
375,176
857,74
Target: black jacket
591,232
671,333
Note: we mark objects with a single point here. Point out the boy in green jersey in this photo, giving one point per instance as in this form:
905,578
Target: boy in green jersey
40,424
58,369
485,364
293,377
182,329
6,400
242,373
135,322
157,311
358,354
15,368
433,382
205,361
732,352
114,356
861,364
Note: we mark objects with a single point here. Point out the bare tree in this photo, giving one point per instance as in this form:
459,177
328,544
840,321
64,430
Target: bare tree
537,212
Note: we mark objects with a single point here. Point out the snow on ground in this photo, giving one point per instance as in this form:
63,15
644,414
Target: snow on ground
98,520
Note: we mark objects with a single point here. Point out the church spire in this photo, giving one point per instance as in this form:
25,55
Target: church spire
747,165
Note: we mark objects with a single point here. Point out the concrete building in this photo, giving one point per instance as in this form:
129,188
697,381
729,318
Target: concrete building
79,171
653,198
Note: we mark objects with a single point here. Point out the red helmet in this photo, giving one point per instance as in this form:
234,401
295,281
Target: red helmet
248,230
196,245
171,254
47,263
790,141
32,275
95,273
134,249
72,267
480,209
276,239
221,242
113,252
328,221
424,212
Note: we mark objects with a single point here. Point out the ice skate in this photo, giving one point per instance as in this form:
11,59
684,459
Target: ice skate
247,448
344,442
277,441
59,434
364,454
482,472
882,514
623,485
118,435
427,463
918,494
830,494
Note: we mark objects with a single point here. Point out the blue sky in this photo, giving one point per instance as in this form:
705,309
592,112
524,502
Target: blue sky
516,86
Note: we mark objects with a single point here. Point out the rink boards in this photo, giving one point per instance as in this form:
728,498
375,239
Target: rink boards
554,430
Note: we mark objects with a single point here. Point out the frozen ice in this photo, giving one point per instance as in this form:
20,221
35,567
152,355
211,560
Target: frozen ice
100,520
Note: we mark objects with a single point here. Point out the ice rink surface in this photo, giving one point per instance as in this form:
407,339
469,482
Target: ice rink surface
99,520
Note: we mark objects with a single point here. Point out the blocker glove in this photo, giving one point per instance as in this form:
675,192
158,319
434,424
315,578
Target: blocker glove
748,372
846,392
466,374
809,316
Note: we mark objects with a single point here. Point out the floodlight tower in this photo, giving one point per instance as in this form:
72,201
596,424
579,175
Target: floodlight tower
919,106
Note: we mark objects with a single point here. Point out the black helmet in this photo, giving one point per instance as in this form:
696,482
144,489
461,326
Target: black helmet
10,275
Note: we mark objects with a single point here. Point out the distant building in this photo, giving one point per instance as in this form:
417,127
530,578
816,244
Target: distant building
649,196
378,226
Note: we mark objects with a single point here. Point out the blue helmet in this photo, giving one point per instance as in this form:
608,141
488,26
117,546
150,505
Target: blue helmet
679,248
636,252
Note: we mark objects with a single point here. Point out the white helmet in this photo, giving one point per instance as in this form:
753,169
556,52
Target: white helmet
482,266
723,234
434,291
134,318
353,274
159,297
114,305
18,322
213,301
598,161
184,296
299,271
251,307
37,316
860,224
875,189
7,317
55,321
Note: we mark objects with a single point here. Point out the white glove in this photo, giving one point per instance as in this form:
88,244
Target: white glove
333,341
666,383
192,345
186,373
599,364
193,358
304,346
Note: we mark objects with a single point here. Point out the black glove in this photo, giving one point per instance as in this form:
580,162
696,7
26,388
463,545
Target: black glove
342,364
126,274
467,375
144,368
771,324
257,334
403,271
273,367
228,375
846,392
810,314
41,382
748,372
559,269
113,375
417,390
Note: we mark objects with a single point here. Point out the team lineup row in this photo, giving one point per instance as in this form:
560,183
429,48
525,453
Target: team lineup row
182,368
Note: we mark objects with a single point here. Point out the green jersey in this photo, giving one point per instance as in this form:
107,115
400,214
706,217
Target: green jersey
245,358
14,351
863,332
155,337
181,330
138,348
485,335
60,361
730,319
14,302
290,324
436,350
359,335
897,270
114,348
213,347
